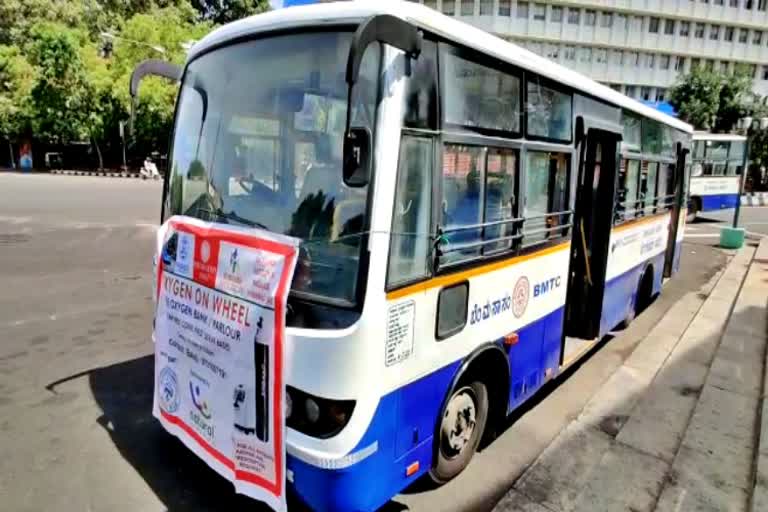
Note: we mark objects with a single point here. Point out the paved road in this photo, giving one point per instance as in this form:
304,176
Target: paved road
76,431
705,230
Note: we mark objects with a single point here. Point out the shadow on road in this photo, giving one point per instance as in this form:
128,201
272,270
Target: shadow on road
180,480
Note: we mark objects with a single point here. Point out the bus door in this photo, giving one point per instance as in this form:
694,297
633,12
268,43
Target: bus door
593,218
680,200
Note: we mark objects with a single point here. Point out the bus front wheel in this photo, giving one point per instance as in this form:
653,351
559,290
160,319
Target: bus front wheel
461,428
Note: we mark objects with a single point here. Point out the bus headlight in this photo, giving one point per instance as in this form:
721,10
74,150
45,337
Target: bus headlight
315,416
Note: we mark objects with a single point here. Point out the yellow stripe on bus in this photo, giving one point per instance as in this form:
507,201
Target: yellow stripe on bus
450,279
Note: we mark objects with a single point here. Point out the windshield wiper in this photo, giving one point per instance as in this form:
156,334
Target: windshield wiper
221,214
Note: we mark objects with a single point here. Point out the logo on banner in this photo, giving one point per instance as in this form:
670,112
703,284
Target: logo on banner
198,397
168,390
185,251
520,296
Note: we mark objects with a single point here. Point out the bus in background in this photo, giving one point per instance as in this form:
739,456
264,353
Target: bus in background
473,218
717,164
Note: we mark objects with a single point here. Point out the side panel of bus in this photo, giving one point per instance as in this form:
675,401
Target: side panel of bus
715,192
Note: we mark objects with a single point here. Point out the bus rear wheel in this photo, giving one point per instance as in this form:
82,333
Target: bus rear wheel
462,424
693,210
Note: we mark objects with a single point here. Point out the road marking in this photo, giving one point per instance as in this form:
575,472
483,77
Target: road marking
701,235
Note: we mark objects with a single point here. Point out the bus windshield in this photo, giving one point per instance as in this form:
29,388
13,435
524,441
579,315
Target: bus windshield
258,142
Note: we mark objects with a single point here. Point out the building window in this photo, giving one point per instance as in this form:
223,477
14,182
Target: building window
505,7
585,54
449,7
630,91
664,62
699,31
522,10
645,93
590,18
553,51
765,72
685,28
695,63
486,7
606,20
710,64
728,34
621,21
574,16
570,53
719,2
661,94
539,12
634,59
762,4
679,63
601,55
714,32
743,35
618,57
757,37
650,60
467,7
669,27
637,23
432,4
734,3
557,14
653,25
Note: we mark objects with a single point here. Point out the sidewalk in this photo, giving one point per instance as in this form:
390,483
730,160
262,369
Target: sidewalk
677,426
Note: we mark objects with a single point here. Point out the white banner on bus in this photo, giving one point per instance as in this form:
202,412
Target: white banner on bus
220,349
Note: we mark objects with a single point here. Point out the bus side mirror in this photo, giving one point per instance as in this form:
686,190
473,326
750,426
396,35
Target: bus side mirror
386,29
357,157
149,67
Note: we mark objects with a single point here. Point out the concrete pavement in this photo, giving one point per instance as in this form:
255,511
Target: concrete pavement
676,427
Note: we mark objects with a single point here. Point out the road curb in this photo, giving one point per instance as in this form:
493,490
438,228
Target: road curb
759,494
102,174
755,199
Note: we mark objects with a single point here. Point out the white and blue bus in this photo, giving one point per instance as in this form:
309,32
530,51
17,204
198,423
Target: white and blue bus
473,218
717,164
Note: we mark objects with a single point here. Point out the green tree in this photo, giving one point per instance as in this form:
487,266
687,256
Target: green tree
224,11
171,29
59,94
735,100
697,98
17,77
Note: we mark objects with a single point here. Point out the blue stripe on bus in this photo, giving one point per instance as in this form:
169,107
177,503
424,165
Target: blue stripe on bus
404,422
621,292
718,202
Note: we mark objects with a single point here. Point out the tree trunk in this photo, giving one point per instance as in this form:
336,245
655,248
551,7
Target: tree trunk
98,152
10,150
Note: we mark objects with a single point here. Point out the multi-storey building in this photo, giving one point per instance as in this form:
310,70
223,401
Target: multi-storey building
638,47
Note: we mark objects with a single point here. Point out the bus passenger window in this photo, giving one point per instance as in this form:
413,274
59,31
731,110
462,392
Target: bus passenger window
421,90
627,197
500,199
410,242
549,112
546,196
463,177
648,186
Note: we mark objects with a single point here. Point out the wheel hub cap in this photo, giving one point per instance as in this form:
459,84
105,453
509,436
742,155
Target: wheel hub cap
458,424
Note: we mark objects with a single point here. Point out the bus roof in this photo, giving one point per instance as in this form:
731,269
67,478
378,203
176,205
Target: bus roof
329,14
718,136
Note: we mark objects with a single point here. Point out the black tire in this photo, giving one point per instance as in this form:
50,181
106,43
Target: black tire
451,461
693,210
644,292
